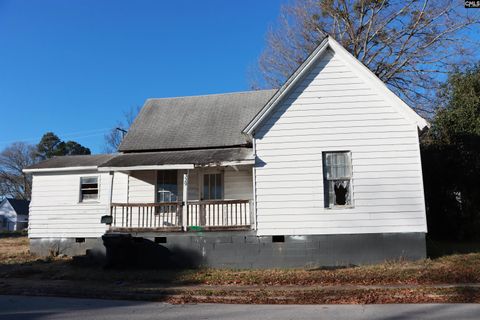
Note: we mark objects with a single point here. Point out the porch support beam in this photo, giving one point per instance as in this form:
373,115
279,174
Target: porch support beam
229,163
154,167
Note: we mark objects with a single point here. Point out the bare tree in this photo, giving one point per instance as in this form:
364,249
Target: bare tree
409,44
115,136
13,182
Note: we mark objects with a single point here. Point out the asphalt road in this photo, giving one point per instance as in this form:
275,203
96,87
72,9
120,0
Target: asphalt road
46,308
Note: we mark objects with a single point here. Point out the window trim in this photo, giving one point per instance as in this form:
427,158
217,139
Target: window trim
80,199
326,182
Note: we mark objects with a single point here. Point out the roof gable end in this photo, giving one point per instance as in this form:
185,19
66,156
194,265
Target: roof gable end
355,65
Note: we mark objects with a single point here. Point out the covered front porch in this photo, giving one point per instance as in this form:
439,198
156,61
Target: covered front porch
211,215
202,193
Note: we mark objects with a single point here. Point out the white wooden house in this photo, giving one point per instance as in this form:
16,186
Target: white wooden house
13,214
324,171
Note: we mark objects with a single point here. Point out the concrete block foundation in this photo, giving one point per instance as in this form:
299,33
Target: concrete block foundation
244,250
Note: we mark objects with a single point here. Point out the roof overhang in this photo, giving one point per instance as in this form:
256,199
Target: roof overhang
180,159
160,160
359,68
178,166
63,169
153,167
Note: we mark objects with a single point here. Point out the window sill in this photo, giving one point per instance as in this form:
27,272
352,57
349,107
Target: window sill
89,202
340,207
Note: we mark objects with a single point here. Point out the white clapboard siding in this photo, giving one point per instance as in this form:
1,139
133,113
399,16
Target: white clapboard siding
238,184
141,187
59,214
334,109
120,187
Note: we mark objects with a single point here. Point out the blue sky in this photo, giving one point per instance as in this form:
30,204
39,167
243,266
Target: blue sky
73,67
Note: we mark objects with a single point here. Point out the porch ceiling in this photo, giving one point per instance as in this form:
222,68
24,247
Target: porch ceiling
183,159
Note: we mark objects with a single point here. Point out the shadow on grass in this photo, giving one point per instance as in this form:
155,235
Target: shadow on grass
13,234
138,261
441,248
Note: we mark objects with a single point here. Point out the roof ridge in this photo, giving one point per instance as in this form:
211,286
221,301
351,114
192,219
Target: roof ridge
212,94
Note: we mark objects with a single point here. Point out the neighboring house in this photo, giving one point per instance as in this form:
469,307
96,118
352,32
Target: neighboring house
324,171
13,214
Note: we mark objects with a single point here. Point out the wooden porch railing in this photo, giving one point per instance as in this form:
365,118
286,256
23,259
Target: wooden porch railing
167,216
219,213
146,215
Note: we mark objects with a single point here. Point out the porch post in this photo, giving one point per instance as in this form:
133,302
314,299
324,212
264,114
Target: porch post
110,194
185,202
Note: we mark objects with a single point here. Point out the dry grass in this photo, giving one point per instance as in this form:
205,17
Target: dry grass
22,272
14,250
452,269
16,261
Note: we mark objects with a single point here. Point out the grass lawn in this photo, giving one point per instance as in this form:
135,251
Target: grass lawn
397,281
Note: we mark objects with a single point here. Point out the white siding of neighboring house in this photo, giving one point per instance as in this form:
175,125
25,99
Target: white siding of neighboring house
8,217
334,109
55,210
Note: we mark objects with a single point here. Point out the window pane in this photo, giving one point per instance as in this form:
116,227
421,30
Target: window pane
167,186
218,185
337,179
89,180
338,165
212,186
88,188
206,188
341,189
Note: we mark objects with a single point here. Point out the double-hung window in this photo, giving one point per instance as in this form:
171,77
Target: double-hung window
337,175
213,186
167,186
88,189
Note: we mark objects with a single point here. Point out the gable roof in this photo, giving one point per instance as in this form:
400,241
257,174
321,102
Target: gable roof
359,68
71,162
20,206
195,122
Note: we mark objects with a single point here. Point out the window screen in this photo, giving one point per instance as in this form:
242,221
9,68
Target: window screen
88,188
212,186
337,179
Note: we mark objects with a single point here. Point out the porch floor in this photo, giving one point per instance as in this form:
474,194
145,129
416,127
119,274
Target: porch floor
178,229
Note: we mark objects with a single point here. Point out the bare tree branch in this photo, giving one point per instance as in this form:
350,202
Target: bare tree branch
13,182
113,139
410,45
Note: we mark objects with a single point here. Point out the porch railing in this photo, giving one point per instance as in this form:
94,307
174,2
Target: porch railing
146,215
211,214
219,213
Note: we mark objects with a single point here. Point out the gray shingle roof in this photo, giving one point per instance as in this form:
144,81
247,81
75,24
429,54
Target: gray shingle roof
197,157
72,161
194,122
